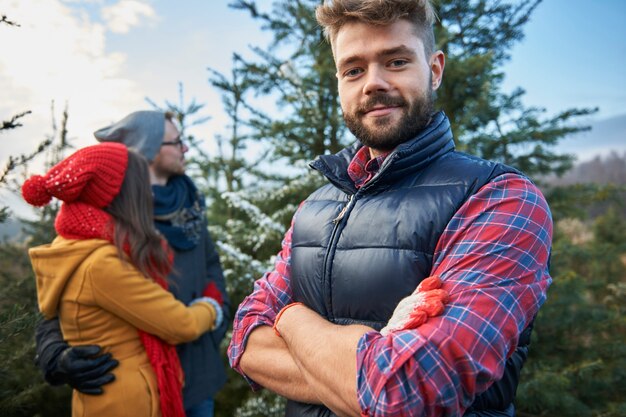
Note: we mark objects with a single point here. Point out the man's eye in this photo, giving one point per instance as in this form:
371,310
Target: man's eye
398,62
353,72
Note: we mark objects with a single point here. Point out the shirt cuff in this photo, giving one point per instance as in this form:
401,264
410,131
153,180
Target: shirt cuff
240,348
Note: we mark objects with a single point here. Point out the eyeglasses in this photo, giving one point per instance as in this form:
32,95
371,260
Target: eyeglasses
178,142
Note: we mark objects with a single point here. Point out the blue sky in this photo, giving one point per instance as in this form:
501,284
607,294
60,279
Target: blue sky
573,55
103,57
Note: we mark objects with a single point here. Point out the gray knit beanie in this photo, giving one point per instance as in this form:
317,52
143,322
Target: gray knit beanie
141,130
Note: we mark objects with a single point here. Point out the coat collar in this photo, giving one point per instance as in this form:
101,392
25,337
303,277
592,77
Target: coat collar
414,155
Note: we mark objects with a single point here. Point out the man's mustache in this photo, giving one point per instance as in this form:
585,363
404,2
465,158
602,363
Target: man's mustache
380,99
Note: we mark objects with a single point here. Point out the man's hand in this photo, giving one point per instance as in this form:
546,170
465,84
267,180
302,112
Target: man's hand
83,368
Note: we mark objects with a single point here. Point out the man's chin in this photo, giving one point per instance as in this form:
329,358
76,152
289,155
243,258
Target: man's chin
384,139
179,171
381,134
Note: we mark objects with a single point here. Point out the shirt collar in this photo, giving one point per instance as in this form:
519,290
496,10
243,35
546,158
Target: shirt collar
363,167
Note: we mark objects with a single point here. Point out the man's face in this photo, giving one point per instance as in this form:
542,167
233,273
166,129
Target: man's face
386,82
170,160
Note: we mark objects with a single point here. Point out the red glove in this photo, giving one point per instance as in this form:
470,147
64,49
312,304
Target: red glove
428,300
212,291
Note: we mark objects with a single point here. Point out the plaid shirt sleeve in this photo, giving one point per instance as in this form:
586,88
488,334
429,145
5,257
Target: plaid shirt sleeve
270,294
492,258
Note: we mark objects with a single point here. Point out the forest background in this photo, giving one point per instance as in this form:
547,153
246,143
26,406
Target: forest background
282,110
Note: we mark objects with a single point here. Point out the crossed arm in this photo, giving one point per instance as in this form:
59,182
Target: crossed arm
268,362
290,365
493,261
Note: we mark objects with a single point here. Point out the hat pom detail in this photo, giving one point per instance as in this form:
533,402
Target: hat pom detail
35,192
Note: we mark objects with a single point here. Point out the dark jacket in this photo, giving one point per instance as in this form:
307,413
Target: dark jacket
419,188
201,359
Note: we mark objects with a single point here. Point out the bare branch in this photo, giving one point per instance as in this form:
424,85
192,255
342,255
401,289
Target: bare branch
3,19
13,123
20,160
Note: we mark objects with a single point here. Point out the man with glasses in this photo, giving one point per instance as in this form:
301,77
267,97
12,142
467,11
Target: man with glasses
179,216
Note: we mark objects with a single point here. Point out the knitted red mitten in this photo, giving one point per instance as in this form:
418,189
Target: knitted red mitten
212,291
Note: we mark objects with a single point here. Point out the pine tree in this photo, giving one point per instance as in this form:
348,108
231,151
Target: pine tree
577,358
298,69
23,392
477,37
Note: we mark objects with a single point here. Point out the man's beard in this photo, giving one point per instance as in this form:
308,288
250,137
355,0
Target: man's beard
385,136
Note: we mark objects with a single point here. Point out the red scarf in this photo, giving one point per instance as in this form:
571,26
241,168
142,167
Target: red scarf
82,221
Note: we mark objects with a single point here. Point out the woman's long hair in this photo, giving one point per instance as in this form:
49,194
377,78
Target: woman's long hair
133,230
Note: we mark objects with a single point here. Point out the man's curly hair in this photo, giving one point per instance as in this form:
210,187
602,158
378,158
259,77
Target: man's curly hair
333,14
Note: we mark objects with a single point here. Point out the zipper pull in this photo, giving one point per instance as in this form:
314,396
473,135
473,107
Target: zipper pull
343,211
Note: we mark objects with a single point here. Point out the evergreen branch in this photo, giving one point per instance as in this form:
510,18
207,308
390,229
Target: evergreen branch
152,103
259,160
264,221
4,214
251,8
181,111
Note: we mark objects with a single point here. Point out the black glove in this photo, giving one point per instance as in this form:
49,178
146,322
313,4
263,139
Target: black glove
81,367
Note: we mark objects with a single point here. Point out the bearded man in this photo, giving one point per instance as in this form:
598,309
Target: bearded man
408,285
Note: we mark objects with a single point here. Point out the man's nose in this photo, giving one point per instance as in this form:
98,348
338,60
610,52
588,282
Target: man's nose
375,81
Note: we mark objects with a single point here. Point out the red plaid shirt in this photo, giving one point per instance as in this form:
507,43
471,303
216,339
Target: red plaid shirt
362,168
492,257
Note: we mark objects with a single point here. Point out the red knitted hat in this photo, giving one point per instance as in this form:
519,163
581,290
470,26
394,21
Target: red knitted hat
92,175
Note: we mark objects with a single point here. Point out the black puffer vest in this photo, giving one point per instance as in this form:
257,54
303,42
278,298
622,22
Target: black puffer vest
357,253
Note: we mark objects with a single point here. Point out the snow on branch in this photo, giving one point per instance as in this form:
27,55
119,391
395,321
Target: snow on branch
261,219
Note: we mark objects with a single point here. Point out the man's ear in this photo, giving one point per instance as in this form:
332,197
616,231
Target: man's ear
437,63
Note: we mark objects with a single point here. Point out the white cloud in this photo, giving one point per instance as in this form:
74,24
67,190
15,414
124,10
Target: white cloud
58,53
84,1
124,15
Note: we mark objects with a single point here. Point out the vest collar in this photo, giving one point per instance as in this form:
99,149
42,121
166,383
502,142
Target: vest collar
414,155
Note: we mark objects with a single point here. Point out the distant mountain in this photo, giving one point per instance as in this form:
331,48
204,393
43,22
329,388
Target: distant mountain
605,136
599,170
601,154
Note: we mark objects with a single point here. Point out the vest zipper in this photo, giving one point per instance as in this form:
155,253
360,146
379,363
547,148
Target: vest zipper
342,212
334,236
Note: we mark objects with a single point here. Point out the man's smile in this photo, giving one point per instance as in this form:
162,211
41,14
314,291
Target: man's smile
380,111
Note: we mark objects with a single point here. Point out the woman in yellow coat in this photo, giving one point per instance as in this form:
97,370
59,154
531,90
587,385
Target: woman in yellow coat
103,276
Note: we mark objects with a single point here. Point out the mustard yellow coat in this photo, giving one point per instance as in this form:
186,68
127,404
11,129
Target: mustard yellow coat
102,300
